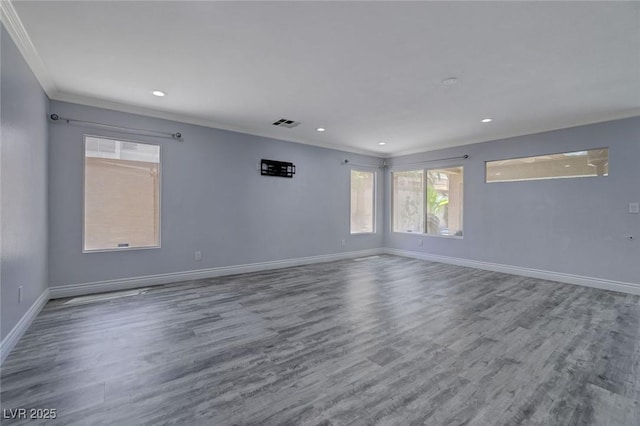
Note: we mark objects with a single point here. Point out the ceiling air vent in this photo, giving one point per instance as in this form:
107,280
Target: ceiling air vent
283,122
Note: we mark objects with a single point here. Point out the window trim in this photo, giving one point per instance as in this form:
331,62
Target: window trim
447,237
84,164
486,168
392,200
374,201
425,169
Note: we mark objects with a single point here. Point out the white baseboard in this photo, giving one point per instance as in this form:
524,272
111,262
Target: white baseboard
623,287
10,341
151,280
14,336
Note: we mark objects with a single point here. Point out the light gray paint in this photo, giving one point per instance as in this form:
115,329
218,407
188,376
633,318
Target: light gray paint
24,185
574,226
213,200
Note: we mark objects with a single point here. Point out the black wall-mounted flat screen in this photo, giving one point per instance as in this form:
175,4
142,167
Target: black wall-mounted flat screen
277,168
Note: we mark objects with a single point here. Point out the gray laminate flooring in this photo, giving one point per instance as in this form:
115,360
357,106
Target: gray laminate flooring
378,340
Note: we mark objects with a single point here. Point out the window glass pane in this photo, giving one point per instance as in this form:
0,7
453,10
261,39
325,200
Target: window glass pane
121,194
594,162
362,201
444,201
408,201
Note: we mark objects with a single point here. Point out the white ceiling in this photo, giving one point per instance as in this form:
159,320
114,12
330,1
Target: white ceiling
366,71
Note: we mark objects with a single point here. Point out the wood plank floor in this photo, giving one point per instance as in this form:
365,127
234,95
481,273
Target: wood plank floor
378,340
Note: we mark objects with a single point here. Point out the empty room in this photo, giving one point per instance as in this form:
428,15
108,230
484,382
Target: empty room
320,213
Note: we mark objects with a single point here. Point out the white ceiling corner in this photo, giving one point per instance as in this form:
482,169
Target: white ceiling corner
18,33
21,38
134,109
366,71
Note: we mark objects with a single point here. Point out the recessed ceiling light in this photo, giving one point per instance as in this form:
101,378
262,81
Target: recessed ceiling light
567,165
450,81
159,93
382,143
487,120
320,129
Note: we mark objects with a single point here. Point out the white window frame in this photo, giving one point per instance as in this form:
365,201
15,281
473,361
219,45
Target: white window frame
486,167
392,200
84,153
425,169
374,201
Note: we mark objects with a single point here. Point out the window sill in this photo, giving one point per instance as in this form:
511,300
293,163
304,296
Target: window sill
119,249
452,237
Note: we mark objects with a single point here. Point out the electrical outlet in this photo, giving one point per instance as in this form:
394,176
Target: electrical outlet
20,294
634,207
198,256
420,241
344,243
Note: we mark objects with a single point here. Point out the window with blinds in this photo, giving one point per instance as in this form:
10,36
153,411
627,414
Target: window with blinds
121,195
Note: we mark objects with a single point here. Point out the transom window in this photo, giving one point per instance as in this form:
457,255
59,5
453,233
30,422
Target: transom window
594,162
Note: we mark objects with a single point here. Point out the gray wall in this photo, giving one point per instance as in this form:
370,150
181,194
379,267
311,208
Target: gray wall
213,200
574,226
24,185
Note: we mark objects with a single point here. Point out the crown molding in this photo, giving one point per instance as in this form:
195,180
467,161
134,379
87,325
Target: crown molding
630,113
204,122
18,33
